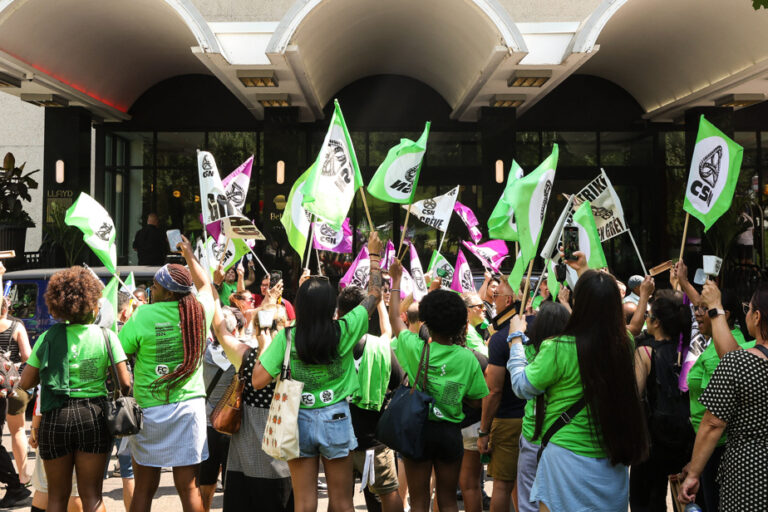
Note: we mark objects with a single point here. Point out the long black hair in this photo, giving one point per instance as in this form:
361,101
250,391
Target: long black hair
606,364
674,317
550,321
317,334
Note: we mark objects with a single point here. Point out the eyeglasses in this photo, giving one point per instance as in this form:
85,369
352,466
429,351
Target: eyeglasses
475,306
747,307
700,308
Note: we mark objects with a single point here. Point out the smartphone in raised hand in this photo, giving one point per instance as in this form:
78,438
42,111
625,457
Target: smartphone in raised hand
570,242
174,239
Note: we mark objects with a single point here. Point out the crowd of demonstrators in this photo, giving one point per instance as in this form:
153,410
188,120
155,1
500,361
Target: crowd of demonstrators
70,362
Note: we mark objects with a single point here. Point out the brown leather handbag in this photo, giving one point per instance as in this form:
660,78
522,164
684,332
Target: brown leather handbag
228,413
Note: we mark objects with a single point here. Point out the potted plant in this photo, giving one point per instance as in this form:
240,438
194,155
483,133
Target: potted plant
14,221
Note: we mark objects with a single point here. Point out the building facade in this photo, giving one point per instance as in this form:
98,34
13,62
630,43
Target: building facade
129,91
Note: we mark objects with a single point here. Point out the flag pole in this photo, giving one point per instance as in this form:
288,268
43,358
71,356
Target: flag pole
310,243
266,272
524,299
317,255
645,272
541,277
682,243
405,227
367,212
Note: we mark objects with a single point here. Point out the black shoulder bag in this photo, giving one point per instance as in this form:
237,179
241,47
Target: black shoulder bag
564,419
123,414
402,423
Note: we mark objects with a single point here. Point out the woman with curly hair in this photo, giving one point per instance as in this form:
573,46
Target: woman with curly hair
168,338
454,378
71,363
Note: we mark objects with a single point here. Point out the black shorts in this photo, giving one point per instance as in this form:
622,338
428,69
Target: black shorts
218,448
442,441
79,425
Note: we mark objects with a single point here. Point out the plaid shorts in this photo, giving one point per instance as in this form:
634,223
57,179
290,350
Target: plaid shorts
79,425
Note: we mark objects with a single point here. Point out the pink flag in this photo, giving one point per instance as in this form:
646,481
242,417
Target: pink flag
419,284
358,272
468,216
236,187
328,238
462,275
389,255
490,253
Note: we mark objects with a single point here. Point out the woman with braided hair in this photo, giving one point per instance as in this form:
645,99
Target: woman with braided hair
168,338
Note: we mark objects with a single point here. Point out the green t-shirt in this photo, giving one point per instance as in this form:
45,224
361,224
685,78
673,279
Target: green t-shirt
88,359
700,374
475,341
453,373
529,416
225,290
154,335
537,300
555,370
324,384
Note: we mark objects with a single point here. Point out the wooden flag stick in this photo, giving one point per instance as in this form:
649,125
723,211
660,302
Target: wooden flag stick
310,243
367,212
524,299
541,277
682,243
405,226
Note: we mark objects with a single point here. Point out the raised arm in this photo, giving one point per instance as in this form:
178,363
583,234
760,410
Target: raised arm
240,277
681,271
384,324
579,264
234,350
199,276
638,319
376,280
721,332
396,273
251,277
484,287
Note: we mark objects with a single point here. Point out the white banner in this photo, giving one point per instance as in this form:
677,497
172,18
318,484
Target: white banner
216,205
435,211
606,206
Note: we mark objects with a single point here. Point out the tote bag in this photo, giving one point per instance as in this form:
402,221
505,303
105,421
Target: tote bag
401,426
281,434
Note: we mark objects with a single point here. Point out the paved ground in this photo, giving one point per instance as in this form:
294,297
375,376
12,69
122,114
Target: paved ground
166,499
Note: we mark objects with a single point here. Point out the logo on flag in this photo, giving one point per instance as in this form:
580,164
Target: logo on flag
606,206
709,171
105,231
435,212
236,195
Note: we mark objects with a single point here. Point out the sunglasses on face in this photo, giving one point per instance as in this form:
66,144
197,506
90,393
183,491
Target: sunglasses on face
700,308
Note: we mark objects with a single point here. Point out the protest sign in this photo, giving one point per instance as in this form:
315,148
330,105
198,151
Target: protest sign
436,211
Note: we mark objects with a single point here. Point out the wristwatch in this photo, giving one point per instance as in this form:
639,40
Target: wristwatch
480,433
715,312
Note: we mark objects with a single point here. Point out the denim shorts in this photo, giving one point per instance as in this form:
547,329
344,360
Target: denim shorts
326,431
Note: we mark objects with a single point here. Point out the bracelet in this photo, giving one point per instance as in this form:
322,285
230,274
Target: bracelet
371,256
480,433
394,290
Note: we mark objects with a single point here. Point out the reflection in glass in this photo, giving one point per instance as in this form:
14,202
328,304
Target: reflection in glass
576,148
625,148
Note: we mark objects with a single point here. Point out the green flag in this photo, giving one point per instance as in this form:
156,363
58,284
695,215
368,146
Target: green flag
589,238
501,223
110,294
439,267
295,219
97,227
715,166
130,284
516,276
396,178
228,255
529,199
552,284
335,175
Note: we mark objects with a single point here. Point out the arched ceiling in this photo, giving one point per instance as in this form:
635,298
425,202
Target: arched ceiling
108,50
443,43
671,55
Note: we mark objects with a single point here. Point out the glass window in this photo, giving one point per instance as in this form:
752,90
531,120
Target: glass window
108,150
674,148
527,149
453,148
179,150
23,297
748,140
625,148
576,148
764,151
381,142
231,149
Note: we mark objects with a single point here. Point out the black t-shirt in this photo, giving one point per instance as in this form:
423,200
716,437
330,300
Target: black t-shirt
151,245
365,421
498,353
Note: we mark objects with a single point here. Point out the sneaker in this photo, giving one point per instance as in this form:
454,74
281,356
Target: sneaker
14,495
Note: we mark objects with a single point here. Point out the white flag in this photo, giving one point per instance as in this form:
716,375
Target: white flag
435,211
417,273
606,207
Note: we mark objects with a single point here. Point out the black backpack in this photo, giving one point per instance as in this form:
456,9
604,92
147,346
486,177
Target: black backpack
669,408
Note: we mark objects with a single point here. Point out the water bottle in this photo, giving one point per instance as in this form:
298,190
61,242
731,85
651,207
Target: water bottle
692,507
